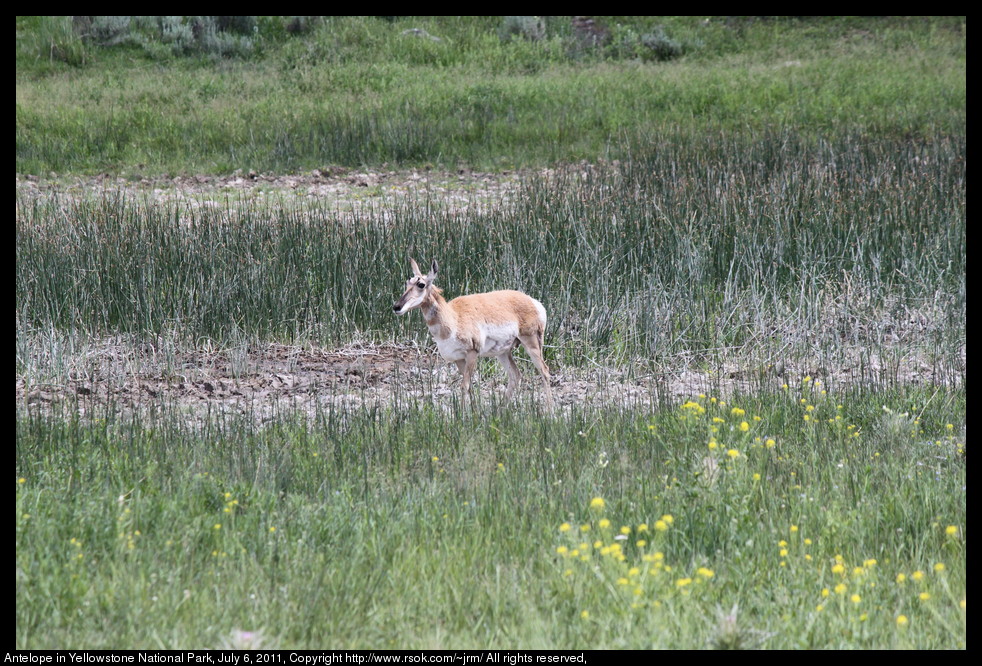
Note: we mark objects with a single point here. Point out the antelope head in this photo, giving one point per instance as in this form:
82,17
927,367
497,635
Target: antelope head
418,289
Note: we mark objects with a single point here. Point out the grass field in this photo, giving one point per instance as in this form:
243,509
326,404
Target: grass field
753,256
358,91
410,527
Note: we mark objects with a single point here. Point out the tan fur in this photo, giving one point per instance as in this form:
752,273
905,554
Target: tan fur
489,324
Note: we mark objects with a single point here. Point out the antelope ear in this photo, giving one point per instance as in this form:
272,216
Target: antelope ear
414,266
434,267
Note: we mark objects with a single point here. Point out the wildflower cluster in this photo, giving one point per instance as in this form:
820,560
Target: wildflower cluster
76,545
817,407
952,440
730,431
127,534
230,506
598,558
863,590
850,584
230,503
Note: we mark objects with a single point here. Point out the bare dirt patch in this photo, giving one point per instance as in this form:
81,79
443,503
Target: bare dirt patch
264,381
344,188
273,378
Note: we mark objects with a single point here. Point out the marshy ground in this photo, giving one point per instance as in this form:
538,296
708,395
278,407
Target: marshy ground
263,378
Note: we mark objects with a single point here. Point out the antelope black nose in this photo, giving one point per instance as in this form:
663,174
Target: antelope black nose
395,307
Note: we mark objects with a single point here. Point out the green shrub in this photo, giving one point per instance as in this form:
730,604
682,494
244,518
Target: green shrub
53,39
162,36
532,28
627,43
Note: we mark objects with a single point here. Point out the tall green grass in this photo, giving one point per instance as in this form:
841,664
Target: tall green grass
782,521
357,91
769,246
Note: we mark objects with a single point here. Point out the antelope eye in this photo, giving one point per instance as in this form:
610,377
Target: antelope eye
419,284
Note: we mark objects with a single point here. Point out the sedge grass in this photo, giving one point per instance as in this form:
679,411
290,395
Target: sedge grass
773,248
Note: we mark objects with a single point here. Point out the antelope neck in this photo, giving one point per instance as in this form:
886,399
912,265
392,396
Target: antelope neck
435,314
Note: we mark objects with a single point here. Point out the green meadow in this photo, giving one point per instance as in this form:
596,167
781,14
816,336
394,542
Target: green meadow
757,226
356,91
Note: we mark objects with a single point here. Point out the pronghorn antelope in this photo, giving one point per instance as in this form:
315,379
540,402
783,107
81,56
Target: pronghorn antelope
490,324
